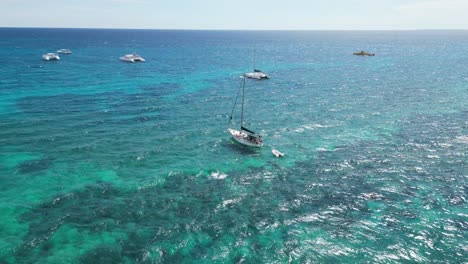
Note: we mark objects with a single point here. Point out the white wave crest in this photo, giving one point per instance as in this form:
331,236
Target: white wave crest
218,175
462,139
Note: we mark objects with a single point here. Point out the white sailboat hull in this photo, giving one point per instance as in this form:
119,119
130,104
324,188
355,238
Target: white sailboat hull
256,75
244,138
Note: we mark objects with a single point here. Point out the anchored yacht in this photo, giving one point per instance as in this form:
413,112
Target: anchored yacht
132,58
245,136
64,51
50,56
256,74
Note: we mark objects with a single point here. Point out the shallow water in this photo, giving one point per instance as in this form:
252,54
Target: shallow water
103,161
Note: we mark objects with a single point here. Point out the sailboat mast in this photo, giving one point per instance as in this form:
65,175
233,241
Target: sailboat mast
243,93
255,55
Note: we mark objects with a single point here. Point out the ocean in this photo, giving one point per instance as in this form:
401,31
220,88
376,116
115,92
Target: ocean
103,161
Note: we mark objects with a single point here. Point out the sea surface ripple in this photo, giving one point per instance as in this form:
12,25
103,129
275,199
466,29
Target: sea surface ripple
103,161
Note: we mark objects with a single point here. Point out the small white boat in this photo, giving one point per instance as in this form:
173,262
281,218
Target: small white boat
132,58
64,51
50,56
277,153
256,74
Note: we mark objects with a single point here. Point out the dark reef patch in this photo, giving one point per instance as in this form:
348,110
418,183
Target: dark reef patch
34,166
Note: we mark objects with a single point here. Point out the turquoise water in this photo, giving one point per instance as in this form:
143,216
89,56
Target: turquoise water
103,161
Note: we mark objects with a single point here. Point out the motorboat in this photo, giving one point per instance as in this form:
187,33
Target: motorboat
64,51
256,74
132,58
50,56
363,53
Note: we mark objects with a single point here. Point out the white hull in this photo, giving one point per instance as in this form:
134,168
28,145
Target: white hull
132,58
277,153
50,56
64,51
126,59
256,75
244,138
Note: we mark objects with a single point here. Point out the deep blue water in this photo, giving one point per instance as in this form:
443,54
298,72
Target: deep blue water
103,161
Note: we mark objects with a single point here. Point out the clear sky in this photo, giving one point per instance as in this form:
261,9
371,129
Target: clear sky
237,14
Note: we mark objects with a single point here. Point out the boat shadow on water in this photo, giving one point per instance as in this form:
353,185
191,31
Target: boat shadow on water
242,149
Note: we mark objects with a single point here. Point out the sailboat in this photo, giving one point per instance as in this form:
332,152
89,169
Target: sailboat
245,136
256,74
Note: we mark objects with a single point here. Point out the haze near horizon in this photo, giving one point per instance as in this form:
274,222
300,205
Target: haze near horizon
241,14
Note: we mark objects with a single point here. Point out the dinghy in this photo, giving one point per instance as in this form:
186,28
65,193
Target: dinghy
277,153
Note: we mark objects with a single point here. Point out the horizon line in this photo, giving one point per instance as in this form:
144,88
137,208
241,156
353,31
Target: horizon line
203,29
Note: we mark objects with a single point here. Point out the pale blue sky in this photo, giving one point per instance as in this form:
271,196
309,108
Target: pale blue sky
239,14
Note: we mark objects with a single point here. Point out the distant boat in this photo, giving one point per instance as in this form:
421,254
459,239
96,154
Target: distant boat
132,58
256,74
363,53
50,56
64,51
245,136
